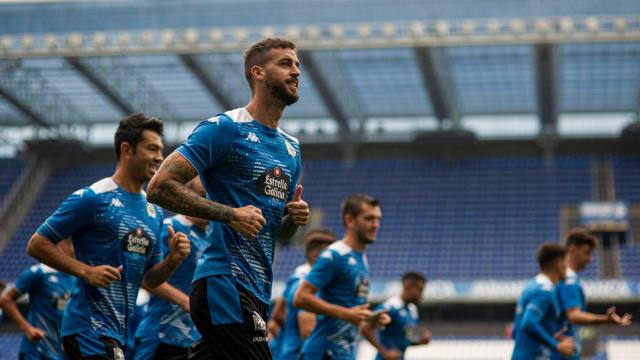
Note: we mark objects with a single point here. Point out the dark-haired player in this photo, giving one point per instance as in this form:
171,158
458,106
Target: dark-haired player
250,169
340,276
537,325
116,235
573,303
404,329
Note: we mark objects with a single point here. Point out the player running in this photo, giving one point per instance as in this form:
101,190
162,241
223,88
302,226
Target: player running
116,235
404,329
166,330
250,169
298,324
48,291
573,303
537,327
340,276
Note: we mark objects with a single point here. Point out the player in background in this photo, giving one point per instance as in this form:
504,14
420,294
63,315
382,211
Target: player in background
250,169
573,303
537,329
48,291
340,276
404,329
298,324
166,331
116,238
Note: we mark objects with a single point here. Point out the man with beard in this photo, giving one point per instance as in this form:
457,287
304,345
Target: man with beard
341,278
573,303
250,169
537,328
404,329
116,235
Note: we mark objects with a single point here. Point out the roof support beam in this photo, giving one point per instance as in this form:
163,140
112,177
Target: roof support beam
333,105
101,85
434,67
547,86
33,117
190,61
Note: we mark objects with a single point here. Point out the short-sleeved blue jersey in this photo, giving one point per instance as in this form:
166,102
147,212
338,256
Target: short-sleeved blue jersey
537,320
108,226
165,320
341,275
49,291
404,328
291,343
571,296
240,163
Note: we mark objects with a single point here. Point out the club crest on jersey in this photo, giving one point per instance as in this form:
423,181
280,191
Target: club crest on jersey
136,241
274,183
151,210
290,149
362,289
258,322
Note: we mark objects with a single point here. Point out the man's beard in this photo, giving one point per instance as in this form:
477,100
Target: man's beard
279,91
362,237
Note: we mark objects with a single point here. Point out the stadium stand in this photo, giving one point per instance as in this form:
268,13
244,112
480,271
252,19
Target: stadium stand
11,170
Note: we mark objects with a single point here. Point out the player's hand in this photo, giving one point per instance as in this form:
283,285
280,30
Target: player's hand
179,245
390,354
566,347
624,320
380,319
34,334
298,209
102,275
247,220
426,337
559,335
272,329
358,314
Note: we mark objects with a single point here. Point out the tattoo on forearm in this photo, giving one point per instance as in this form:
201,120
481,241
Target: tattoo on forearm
174,195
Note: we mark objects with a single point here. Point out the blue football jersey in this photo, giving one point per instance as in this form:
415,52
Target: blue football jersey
537,320
165,320
291,343
240,163
108,226
49,291
341,276
404,328
571,296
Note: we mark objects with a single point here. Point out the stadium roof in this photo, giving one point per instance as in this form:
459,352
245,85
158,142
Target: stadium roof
370,68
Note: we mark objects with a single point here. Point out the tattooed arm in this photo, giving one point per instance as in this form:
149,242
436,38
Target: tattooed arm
167,189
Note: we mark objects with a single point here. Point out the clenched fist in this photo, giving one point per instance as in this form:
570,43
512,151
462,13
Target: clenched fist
247,220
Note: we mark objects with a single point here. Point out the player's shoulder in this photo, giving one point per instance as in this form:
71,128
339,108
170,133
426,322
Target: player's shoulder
301,271
42,269
289,137
339,249
543,283
99,187
394,302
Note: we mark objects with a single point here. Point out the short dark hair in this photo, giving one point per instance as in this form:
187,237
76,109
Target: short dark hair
352,205
257,53
316,239
548,253
580,237
132,126
413,276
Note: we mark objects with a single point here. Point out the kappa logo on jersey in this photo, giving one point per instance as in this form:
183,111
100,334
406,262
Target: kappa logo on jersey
116,202
362,289
253,137
352,261
151,210
258,322
275,183
290,149
137,242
